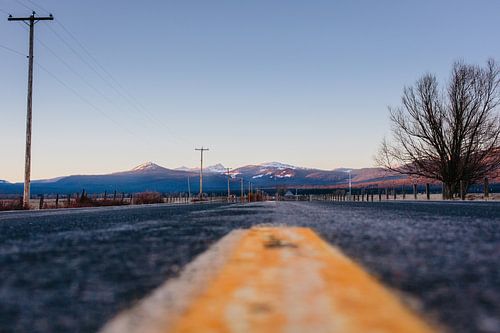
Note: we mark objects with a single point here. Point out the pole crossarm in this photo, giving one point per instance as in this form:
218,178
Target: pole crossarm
31,18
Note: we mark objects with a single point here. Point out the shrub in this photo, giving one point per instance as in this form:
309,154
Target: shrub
147,198
11,205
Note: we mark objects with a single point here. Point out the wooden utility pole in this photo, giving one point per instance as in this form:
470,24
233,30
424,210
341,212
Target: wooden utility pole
27,161
249,191
228,184
241,190
201,150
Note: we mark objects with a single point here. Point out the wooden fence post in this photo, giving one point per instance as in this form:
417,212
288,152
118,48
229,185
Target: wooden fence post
415,191
427,191
41,202
57,201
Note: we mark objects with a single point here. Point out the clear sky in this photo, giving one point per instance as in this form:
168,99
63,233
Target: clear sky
301,82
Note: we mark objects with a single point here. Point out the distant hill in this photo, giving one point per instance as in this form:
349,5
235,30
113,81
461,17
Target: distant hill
152,177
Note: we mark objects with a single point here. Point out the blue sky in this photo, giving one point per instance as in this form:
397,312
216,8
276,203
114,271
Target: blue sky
301,82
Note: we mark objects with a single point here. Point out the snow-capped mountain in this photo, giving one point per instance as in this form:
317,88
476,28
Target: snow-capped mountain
278,165
153,177
217,168
148,166
184,168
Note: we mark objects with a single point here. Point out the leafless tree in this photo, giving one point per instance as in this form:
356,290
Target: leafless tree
451,135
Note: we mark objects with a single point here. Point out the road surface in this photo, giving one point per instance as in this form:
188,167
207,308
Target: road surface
74,270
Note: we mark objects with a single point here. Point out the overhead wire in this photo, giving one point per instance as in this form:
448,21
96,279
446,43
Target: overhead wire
72,70
12,50
111,82
81,77
4,11
120,89
83,60
61,82
76,73
114,83
24,5
83,99
38,6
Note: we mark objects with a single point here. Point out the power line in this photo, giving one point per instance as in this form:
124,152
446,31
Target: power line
119,88
3,11
83,99
124,93
72,70
65,85
81,77
24,5
38,6
12,50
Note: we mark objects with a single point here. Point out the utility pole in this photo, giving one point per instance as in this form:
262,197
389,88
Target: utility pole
201,150
241,190
189,189
228,185
27,161
350,183
249,190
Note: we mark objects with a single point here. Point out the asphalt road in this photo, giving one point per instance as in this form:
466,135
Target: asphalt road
72,270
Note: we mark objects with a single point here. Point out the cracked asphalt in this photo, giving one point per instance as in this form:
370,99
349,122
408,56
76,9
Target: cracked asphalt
73,270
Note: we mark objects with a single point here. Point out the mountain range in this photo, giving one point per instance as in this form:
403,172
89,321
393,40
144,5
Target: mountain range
153,177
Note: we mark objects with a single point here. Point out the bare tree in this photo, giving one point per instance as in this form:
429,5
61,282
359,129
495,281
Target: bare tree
450,135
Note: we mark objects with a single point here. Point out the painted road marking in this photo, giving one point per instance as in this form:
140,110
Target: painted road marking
285,280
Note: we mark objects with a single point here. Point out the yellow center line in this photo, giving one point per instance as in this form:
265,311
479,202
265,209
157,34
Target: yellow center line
290,280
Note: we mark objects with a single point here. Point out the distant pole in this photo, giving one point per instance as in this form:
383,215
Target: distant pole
201,150
27,161
228,185
249,191
350,183
276,185
241,190
189,189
